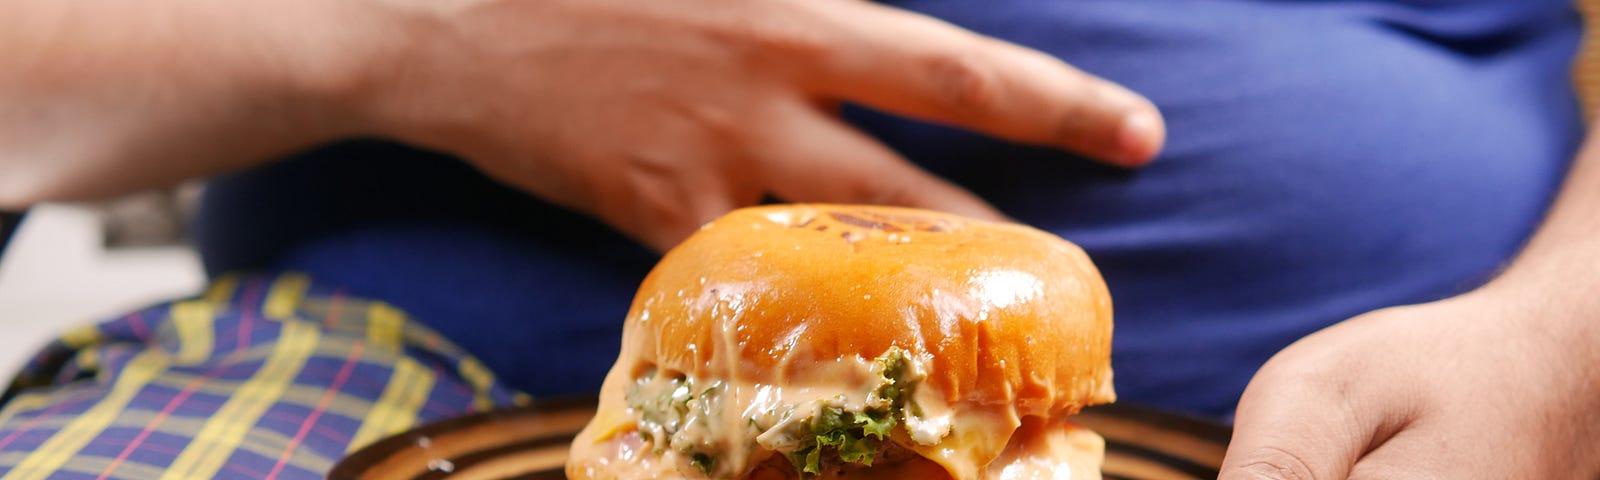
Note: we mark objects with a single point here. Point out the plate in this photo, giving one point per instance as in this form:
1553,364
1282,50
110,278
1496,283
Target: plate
530,442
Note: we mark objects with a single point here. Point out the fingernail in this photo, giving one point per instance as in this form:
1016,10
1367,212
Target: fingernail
1138,138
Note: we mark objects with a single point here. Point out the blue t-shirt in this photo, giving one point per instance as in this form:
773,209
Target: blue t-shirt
1325,158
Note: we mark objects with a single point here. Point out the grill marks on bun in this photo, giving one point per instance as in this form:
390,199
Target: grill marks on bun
856,224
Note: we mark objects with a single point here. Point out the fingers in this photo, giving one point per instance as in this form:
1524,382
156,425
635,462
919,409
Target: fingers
804,155
817,158
1299,423
918,66
662,220
658,203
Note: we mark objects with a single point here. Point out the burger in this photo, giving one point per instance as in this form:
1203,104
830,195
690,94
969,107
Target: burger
833,342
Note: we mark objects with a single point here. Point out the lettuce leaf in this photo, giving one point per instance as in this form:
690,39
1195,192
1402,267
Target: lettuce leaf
848,437
855,437
672,415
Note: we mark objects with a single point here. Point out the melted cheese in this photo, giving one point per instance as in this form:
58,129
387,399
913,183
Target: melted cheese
1049,450
977,436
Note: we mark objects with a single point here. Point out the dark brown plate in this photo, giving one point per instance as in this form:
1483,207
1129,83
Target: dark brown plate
531,443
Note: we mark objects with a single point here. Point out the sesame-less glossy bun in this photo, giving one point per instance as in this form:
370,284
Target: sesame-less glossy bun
1009,313
1004,321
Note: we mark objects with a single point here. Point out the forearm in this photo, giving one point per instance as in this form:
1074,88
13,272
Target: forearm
1551,295
99,97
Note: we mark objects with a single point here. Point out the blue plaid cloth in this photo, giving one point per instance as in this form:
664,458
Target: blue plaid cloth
262,377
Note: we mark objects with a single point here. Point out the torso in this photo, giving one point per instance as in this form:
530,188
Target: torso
1325,158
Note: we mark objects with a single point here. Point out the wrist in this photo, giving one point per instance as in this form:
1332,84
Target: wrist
380,63
404,73
1560,293
331,59
1550,309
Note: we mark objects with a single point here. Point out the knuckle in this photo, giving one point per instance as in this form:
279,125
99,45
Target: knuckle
845,184
1079,120
716,122
751,132
663,198
1316,381
963,82
767,39
645,186
790,43
1088,113
660,221
1277,463
1322,367
896,191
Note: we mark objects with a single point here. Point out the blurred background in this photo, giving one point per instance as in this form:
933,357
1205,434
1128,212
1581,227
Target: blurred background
75,264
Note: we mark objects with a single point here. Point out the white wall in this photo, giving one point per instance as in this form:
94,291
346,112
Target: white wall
56,275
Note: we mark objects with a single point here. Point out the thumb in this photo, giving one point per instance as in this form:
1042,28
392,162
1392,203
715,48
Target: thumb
821,159
1300,424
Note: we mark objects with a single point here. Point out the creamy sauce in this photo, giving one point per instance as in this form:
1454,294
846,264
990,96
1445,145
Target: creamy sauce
744,423
1037,451
720,427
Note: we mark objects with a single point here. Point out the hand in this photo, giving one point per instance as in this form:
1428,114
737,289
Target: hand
656,116
1479,386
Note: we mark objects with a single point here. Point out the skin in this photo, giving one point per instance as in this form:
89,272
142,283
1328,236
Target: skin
1499,383
656,116
651,116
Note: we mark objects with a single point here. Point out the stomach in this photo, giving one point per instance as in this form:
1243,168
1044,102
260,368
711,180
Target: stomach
1324,158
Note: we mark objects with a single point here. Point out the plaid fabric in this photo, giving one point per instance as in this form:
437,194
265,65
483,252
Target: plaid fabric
263,377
